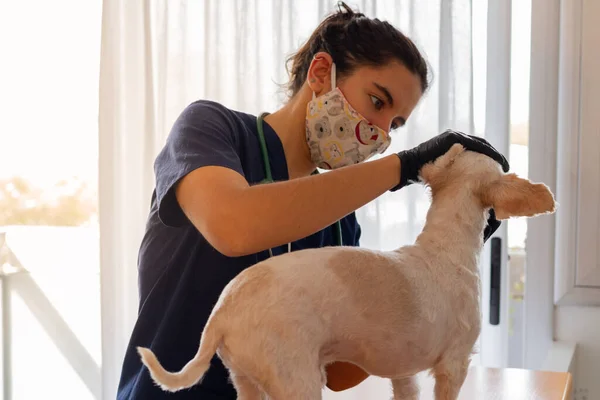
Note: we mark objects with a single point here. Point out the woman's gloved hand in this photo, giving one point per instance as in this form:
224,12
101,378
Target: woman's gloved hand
492,225
412,160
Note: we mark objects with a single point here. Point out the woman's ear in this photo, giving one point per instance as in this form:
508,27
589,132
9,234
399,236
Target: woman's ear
511,196
319,73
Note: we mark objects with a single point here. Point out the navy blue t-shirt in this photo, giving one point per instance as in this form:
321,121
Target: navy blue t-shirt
180,274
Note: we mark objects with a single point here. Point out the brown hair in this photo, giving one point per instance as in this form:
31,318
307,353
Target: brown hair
353,40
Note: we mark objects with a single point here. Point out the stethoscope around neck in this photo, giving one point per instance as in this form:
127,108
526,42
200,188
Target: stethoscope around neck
269,176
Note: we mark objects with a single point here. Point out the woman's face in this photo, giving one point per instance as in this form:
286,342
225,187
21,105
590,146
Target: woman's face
385,96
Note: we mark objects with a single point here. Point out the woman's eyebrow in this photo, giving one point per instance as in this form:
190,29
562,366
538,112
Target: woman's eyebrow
386,92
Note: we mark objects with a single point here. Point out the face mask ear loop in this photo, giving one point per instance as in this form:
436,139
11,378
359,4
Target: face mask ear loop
333,85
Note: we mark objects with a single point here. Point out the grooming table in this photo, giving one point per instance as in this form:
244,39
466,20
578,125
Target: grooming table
508,384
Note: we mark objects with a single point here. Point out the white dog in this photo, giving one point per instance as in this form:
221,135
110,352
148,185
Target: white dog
394,314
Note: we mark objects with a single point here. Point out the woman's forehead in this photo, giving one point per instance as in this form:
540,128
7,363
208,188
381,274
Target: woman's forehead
392,74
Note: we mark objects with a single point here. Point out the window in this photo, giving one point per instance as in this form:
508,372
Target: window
48,198
519,162
520,47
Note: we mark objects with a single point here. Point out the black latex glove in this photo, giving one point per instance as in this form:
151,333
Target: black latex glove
412,160
492,225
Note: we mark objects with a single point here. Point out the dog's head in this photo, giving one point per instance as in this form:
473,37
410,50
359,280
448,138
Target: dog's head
466,172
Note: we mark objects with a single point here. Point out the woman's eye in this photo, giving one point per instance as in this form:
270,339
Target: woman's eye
377,102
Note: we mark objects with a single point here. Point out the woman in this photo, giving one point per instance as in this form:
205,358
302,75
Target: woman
232,188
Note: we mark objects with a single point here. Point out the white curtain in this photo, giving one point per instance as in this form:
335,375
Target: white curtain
160,55
128,143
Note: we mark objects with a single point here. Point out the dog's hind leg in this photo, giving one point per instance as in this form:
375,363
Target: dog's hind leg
405,388
274,376
450,374
297,385
245,388
295,377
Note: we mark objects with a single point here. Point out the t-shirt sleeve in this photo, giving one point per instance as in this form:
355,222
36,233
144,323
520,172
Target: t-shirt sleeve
204,134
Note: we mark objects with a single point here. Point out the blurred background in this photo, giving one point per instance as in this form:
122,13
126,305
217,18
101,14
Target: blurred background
88,93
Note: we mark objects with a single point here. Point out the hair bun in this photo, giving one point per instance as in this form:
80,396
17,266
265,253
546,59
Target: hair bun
353,40
346,13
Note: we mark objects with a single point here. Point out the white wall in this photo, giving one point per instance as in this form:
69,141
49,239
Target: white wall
582,325
577,274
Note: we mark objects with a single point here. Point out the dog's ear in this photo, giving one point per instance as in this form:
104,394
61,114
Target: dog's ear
429,171
511,196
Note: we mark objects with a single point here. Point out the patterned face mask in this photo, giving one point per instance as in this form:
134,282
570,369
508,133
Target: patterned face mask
337,135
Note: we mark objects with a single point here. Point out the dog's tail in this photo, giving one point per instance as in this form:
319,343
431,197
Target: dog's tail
193,372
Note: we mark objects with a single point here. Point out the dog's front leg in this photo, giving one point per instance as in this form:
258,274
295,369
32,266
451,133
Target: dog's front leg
405,388
450,375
